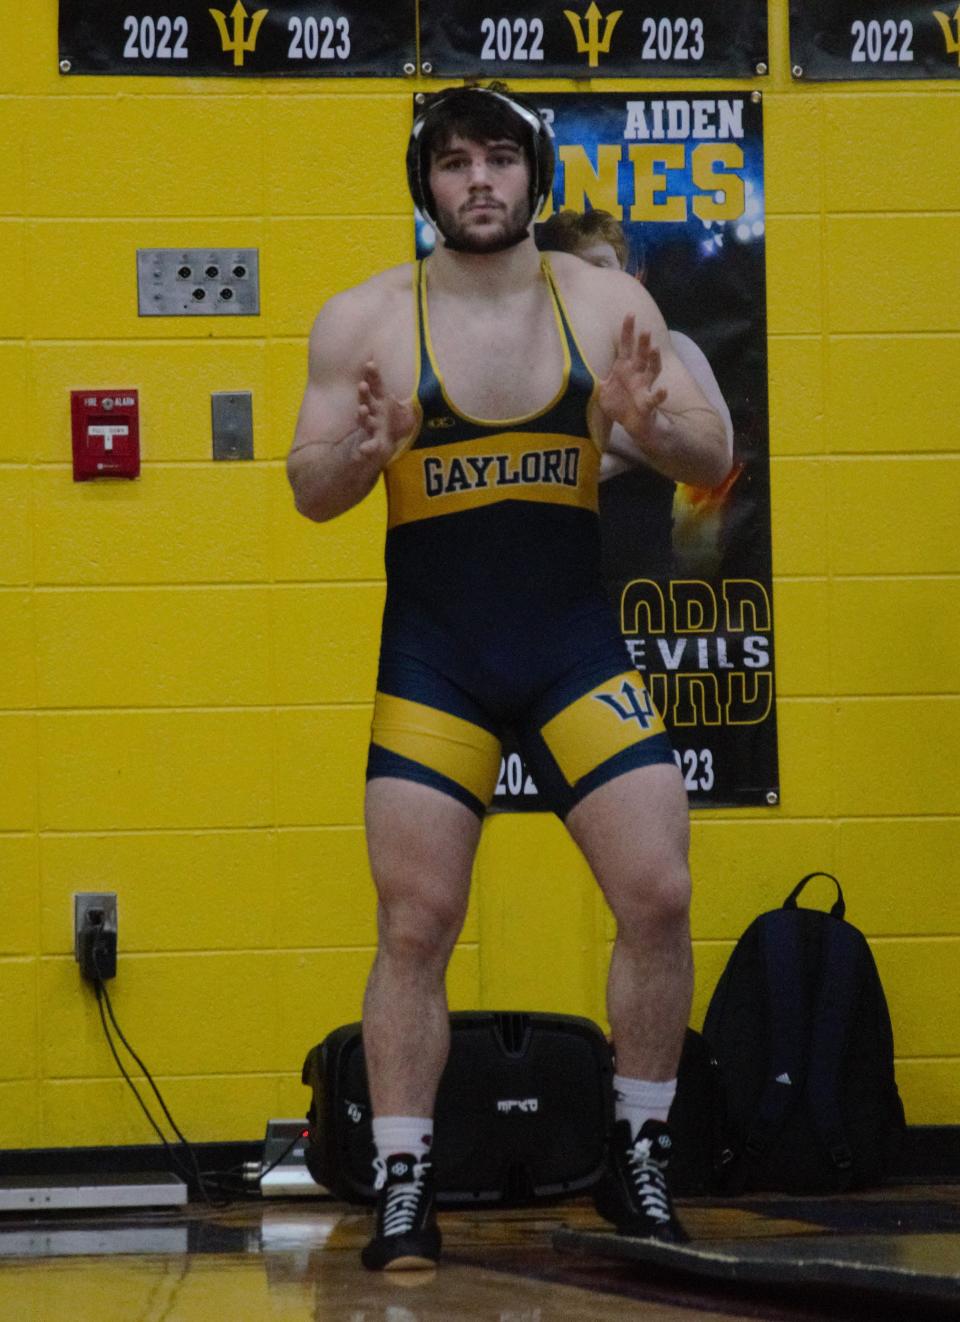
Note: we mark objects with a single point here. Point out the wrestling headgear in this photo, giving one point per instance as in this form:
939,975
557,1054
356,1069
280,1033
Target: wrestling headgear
485,110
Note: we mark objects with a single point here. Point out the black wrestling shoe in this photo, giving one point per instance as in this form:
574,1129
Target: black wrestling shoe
633,1192
406,1235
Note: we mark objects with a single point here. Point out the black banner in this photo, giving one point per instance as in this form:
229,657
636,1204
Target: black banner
237,39
857,39
578,39
688,570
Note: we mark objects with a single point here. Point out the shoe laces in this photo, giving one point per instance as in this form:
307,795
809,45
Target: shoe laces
648,1180
402,1200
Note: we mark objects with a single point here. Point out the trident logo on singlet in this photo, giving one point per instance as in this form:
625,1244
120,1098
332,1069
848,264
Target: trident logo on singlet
638,705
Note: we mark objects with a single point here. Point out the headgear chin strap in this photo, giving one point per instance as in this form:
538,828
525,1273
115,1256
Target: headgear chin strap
535,138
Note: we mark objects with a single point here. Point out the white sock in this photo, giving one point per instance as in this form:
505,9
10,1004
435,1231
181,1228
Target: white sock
402,1133
639,1100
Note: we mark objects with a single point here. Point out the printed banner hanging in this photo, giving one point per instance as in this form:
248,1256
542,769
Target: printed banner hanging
236,39
833,39
579,39
688,570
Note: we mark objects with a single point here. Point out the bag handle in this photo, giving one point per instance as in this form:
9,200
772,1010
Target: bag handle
839,908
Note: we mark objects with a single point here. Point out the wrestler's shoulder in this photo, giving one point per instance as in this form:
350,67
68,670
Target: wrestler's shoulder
599,290
376,295
373,319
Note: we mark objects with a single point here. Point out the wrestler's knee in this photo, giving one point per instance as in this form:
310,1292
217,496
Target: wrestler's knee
653,901
419,927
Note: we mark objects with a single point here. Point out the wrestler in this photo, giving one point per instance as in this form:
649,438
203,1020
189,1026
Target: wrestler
481,385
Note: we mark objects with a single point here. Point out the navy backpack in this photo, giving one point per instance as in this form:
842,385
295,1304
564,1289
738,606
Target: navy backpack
801,1032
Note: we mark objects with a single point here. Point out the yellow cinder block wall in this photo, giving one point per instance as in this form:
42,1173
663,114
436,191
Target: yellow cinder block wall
188,665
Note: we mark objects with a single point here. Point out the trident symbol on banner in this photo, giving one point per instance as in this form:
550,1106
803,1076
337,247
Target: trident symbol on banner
238,43
952,42
592,44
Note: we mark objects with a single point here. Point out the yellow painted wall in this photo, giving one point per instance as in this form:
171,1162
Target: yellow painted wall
188,666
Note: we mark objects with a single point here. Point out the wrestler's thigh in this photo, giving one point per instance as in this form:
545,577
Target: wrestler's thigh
421,843
634,831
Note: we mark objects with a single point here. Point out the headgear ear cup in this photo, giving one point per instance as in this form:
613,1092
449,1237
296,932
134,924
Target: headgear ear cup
534,135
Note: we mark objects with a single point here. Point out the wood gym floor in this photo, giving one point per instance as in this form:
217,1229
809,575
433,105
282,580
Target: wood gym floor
890,1254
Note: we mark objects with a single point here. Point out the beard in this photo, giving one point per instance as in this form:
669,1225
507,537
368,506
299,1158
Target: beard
506,231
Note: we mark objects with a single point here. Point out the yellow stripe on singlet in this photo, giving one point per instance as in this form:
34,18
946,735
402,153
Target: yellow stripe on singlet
556,469
615,715
458,749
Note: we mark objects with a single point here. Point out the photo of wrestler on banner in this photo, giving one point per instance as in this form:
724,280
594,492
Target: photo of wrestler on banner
669,187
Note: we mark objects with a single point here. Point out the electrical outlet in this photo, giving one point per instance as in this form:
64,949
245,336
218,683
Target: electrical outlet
86,903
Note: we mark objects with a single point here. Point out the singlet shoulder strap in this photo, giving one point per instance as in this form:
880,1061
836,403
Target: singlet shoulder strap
429,384
577,360
419,358
579,373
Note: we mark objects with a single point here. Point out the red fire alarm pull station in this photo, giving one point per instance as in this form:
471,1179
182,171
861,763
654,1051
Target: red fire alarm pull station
106,433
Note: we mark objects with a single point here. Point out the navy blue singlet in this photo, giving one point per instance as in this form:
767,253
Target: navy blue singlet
496,617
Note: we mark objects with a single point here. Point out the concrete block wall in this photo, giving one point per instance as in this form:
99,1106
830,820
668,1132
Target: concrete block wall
188,666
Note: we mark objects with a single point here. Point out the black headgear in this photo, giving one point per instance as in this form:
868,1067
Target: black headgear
532,133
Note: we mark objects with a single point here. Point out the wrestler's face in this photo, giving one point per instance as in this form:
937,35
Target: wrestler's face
482,193
600,254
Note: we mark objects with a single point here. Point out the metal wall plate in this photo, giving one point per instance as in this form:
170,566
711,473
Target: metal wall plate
232,413
198,282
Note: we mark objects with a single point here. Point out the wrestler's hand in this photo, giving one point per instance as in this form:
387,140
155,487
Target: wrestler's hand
382,419
629,395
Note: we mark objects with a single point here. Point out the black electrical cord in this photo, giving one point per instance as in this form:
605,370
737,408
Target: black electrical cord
119,1031
285,1153
98,956
174,1159
236,1172
102,992
205,1180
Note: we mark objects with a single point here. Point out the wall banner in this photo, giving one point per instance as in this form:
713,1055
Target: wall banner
688,570
832,39
235,39
579,39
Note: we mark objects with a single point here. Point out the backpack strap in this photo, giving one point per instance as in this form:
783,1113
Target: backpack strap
839,907
781,954
840,975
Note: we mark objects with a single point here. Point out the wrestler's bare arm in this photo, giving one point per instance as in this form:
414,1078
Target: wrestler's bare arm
682,436
621,453
644,387
350,422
